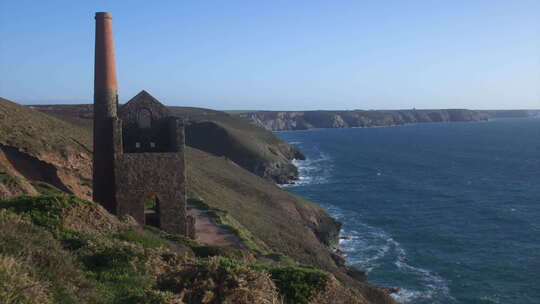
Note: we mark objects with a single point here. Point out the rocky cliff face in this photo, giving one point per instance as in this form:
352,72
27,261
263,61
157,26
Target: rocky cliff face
510,113
278,121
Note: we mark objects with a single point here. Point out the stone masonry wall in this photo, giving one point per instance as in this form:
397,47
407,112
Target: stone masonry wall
139,175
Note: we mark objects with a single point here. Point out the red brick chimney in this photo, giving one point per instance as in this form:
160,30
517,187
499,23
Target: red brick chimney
105,109
105,86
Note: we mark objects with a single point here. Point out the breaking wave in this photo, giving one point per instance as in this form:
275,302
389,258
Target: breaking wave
316,170
367,248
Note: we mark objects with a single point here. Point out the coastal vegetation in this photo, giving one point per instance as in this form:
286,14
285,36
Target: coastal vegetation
53,254
286,250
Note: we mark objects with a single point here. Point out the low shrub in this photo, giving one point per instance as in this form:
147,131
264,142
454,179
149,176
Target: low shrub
73,240
177,238
17,284
139,238
279,259
46,262
211,251
117,270
296,283
45,210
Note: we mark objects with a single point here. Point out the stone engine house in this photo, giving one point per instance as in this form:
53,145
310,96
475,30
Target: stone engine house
139,166
149,164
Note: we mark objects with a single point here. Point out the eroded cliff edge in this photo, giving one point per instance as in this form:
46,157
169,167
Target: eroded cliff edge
303,120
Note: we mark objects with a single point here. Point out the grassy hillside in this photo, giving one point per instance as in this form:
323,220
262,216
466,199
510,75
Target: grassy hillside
279,219
252,147
216,132
279,229
53,252
35,147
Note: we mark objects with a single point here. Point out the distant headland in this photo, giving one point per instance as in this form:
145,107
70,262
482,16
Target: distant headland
303,120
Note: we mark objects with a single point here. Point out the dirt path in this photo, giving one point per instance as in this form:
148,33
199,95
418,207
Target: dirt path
208,232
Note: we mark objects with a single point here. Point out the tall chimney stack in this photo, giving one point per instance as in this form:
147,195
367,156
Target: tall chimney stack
105,108
105,86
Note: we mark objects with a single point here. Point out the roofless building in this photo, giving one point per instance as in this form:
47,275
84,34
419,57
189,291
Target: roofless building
139,166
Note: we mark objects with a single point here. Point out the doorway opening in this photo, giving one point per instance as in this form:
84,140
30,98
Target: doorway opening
151,211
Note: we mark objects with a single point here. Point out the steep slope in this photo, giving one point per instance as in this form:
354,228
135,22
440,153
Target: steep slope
279,220
216,132
270,220
290,120
35,148
61,249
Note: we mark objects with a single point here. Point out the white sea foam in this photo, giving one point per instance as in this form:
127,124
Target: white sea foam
313,170
368,247
435,284
365,246
407,296
492,299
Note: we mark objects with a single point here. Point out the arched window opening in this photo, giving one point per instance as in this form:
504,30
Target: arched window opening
151,211
144,119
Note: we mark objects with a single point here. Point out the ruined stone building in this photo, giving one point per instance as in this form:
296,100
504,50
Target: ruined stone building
138,167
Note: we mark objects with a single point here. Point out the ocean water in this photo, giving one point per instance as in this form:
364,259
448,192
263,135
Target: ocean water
447,212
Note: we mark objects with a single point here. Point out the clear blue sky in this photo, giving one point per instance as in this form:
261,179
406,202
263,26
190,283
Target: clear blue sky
280,55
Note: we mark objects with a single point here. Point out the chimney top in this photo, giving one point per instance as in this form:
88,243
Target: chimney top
103,15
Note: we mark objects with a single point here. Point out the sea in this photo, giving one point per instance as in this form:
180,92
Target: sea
446,212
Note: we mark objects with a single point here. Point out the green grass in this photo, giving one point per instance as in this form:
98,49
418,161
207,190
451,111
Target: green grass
175,238
150,203
74,267
116,271
277,218
143,240
42,210
71,266
51,269
281,221
296,283
44,133
279,259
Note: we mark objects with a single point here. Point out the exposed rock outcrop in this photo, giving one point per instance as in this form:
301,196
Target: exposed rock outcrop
278,121
510,113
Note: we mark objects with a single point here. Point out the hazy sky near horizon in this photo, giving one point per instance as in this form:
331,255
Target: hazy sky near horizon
280,55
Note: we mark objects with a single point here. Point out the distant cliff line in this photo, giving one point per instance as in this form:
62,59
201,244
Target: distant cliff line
303,120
